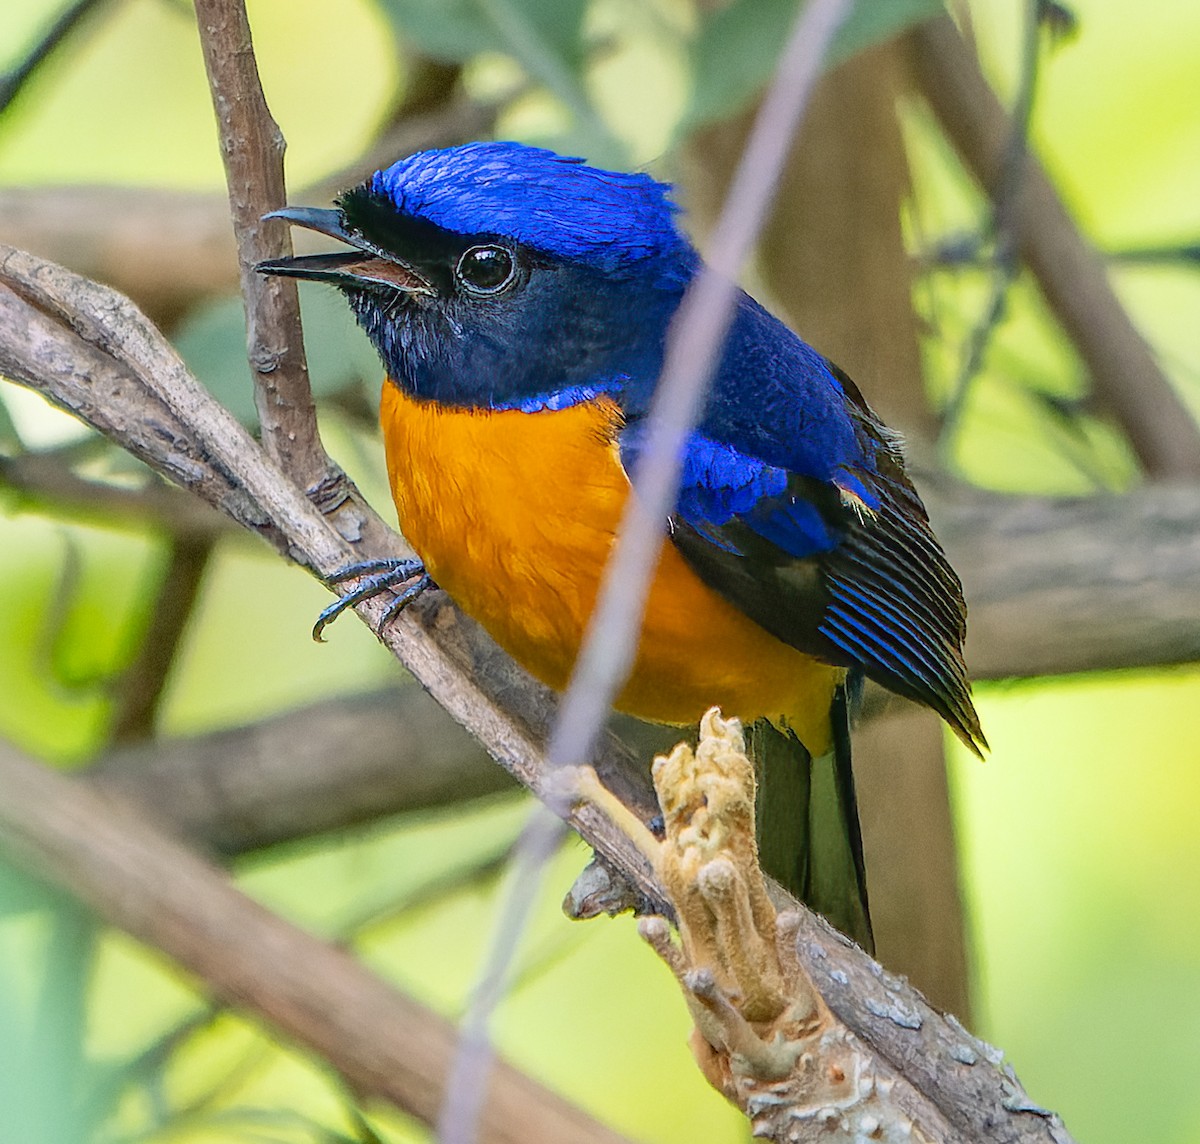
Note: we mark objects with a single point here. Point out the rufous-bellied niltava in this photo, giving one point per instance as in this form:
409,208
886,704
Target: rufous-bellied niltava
520,302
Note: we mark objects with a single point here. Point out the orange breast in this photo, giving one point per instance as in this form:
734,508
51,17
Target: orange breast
514,514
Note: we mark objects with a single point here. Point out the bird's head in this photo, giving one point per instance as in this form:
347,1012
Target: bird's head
499,275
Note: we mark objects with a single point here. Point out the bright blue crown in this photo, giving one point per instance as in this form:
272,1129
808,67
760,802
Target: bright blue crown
548,201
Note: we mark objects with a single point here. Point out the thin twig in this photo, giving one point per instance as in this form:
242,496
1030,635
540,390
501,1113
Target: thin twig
139,689
692,352
252,147
474,1056
1002,225
13,82
1071,274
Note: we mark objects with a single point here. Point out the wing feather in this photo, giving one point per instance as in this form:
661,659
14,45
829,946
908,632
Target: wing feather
846,569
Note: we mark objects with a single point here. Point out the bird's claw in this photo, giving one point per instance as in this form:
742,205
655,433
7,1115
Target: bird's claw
376,576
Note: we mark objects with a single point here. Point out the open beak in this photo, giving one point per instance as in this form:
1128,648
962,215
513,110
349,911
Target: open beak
364,266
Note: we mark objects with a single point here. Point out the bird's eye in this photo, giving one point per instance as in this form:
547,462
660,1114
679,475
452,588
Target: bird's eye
486,269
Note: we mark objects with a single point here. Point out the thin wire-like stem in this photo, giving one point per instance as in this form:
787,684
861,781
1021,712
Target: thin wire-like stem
1127,379
466,1085
1006,260
15,81
693,350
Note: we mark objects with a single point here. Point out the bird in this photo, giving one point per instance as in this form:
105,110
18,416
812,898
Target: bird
520,302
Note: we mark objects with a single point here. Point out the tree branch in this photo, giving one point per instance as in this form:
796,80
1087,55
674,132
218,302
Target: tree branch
252,148
176,426
1066,585
149,403
384,1043
1070,273
334,764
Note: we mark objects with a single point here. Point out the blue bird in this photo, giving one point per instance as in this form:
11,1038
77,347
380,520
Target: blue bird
520,301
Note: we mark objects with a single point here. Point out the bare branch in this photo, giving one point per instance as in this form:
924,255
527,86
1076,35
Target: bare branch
139,689
384,1043
328,766
107,395
150,404
1066,585
1072,276
179,428
166,249
252,147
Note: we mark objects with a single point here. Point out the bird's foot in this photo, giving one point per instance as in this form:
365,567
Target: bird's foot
375,576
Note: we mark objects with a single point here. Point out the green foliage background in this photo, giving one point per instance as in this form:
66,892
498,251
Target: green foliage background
1081,853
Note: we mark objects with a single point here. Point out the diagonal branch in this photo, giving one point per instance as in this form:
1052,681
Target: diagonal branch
63,336
15,81
1069,271
117,372
384,1043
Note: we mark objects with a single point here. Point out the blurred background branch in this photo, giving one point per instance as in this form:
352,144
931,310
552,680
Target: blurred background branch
382,1043
1126,377
188,650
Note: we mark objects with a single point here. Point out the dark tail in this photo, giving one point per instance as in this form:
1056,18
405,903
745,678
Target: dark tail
809,838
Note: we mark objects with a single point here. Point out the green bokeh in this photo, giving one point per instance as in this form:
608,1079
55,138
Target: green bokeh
1081,859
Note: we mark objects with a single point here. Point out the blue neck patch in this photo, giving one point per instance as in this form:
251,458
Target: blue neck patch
566,398
550,202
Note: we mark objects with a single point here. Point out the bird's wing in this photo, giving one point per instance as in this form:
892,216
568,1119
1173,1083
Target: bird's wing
843,566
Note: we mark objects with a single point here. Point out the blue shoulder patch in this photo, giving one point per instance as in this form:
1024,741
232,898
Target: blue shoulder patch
719,483
551,202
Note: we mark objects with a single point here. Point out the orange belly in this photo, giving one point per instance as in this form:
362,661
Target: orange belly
514,515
